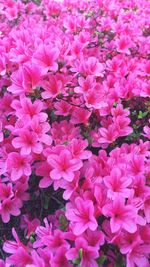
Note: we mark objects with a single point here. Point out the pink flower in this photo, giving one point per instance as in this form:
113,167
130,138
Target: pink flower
77,148
64,165
27,141
29,225
20,258
62,108
6,191
123,44
1,133
108,135
70,187
10,207
121,216
95,99
45,57
80,115
121,124
26,110
43,169
139,256
41,129
93,67
12,246
81,215
25,79
117,184
55,241
146,132
18,165
89,253
60,259
85,84
52,86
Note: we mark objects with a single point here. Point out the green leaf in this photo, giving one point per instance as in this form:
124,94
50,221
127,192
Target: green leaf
77,261
46,202
115,104
101,260
140,116
80,252
63,222
66,143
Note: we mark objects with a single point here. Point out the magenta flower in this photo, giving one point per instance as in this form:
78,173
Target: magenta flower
25,79
60,259
26,110
89,253
27,141
80,115
117,184
1,133
18,165
6,191
121,216
81,215
10,207
108,135
45,57
64,165
52,87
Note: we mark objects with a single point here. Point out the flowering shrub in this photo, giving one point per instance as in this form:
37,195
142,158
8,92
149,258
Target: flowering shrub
74,133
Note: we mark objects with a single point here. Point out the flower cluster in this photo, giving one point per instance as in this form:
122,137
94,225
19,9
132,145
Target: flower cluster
74,133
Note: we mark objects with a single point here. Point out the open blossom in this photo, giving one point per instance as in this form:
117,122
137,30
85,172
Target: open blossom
46,56
89,253
117,184
121,215
1,134
107,135
27,141
53,86
25,79
81,215
18,165
64,165
80,115
26,110
10,207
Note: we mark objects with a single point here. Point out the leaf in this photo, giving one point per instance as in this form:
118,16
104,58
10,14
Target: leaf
101,260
